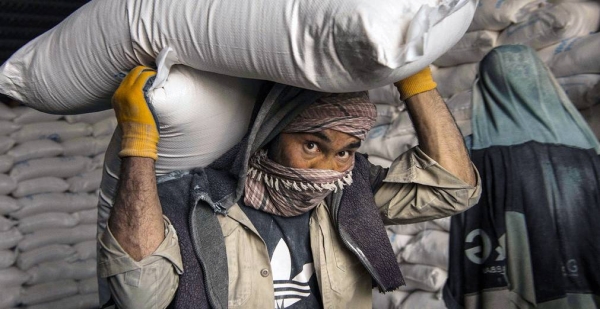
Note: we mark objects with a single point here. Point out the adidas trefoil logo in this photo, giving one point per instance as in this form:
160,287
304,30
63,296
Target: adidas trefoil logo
288,291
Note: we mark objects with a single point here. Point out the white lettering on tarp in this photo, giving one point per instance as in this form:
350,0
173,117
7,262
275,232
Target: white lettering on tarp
495,270
571,269
477,254
480,253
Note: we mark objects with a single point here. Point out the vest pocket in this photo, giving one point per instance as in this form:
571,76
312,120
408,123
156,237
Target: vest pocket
239,264
343,268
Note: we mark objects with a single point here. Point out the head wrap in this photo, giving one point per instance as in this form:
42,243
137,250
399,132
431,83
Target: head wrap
350,113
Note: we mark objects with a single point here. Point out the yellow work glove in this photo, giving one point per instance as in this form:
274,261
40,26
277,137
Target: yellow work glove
140,132
415,84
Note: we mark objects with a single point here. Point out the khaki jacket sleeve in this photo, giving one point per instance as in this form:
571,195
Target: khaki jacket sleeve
417,188
149,283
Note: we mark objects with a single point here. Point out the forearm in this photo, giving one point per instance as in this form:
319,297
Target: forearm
438,134
136,218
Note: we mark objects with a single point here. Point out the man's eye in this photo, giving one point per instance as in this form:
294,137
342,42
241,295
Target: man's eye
311,146
344,154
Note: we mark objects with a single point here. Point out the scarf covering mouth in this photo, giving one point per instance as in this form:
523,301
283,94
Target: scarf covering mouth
286,191
350,113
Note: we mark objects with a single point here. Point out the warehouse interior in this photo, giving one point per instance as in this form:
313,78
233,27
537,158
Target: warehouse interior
52,166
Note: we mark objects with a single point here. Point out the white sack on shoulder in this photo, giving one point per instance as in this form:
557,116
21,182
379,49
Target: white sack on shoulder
201,116
499,14
573,56
333,45
553,23
471,48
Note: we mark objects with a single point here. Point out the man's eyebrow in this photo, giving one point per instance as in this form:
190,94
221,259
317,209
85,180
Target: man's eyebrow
354,145
321,136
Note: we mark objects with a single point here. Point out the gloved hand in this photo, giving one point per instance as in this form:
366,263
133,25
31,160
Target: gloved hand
140,132
419,82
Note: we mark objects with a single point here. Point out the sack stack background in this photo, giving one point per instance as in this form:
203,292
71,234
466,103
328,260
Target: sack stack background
50,171
50,165
566,37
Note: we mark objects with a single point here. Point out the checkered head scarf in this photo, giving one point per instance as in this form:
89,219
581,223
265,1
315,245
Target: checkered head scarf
287,191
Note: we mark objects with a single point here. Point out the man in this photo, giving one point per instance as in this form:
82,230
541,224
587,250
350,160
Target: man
292,217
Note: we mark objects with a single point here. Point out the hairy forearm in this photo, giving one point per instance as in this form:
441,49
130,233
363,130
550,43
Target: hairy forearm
438,134
136,218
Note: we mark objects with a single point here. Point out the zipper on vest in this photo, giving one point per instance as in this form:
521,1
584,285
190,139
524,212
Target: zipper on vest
358,253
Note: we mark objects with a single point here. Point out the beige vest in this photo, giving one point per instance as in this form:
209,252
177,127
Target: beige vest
343,281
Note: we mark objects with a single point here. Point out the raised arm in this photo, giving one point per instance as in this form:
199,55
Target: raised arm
139,251
436,129
435,179
136,218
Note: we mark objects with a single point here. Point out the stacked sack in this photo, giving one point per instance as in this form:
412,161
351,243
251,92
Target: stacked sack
422,253
421,248
51,170
565,34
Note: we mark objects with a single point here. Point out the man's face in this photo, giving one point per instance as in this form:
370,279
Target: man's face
328,149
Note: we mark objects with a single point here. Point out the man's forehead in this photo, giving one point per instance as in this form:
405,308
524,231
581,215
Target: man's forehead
332,136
